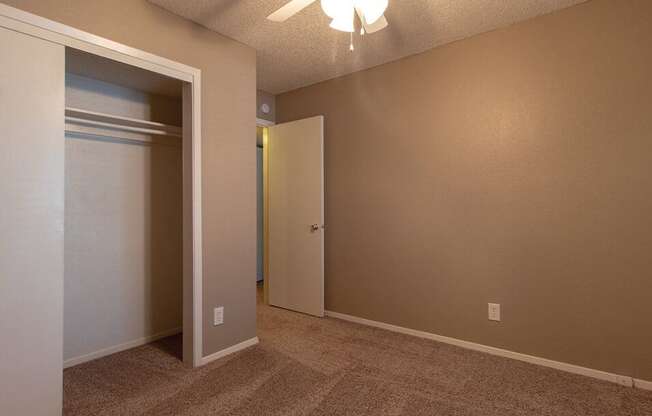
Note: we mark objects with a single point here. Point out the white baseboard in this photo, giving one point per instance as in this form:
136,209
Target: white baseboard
643,384
570,368
118,348
235,348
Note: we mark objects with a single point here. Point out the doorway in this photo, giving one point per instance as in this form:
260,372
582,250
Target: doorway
260,214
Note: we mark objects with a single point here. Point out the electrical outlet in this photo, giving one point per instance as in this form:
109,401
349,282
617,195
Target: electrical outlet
494,311
218,315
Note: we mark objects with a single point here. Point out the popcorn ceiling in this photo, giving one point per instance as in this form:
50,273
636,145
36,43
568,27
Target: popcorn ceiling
303,50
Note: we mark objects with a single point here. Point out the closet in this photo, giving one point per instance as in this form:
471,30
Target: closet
123,207
100,218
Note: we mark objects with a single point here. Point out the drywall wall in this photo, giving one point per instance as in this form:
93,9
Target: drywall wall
512,167
123,243
31,225
228,128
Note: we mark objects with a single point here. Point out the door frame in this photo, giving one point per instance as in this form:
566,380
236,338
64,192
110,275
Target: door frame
265,124
33,25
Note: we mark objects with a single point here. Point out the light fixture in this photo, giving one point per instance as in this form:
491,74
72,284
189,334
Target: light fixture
371,9
336,8
344,20
342,12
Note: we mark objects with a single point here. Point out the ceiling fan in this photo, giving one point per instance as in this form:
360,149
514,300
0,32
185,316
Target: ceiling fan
343,12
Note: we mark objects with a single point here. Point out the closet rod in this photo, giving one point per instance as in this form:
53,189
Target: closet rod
93,123
79,116
82,132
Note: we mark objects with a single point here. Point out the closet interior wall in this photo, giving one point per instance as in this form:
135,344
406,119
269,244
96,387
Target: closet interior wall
123,243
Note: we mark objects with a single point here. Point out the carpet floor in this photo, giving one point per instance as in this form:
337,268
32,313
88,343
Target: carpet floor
310,366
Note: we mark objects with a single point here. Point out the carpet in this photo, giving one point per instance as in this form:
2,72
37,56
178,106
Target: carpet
310,366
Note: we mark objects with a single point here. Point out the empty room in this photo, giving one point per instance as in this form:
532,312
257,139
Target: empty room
326,207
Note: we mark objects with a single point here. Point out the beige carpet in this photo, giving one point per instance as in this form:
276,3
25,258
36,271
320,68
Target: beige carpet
310,366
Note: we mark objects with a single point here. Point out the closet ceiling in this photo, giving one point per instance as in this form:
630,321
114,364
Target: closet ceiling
303,50
107,70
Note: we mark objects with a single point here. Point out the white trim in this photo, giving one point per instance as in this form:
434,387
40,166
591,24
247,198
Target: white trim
118,348
197,235
570,368
642,384
261,122
37,26
31,24
322,218
227,351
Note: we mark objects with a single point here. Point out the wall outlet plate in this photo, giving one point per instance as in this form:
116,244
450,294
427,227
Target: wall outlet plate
218,315
494,311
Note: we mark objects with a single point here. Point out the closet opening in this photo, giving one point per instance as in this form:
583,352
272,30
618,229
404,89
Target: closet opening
126,194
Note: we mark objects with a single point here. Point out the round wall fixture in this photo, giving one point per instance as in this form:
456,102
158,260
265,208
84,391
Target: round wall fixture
265,108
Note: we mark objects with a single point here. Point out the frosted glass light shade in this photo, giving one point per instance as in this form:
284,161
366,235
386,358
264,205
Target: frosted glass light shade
344,21
343,12
336,8
371,9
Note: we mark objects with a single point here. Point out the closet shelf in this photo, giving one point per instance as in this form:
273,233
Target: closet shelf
94,119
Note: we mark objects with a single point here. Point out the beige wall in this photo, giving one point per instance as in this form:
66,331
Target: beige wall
228,129
513,167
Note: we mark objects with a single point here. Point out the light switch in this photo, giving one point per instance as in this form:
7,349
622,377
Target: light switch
218,315
494,311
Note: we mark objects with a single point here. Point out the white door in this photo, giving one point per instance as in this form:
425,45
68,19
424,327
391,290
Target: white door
32,98
296,215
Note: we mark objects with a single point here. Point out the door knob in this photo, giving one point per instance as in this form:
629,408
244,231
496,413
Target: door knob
314,228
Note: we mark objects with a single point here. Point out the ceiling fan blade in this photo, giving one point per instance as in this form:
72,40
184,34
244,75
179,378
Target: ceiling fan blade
379,24
289,10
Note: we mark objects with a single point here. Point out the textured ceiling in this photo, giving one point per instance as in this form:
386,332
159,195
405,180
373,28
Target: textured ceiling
303,50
